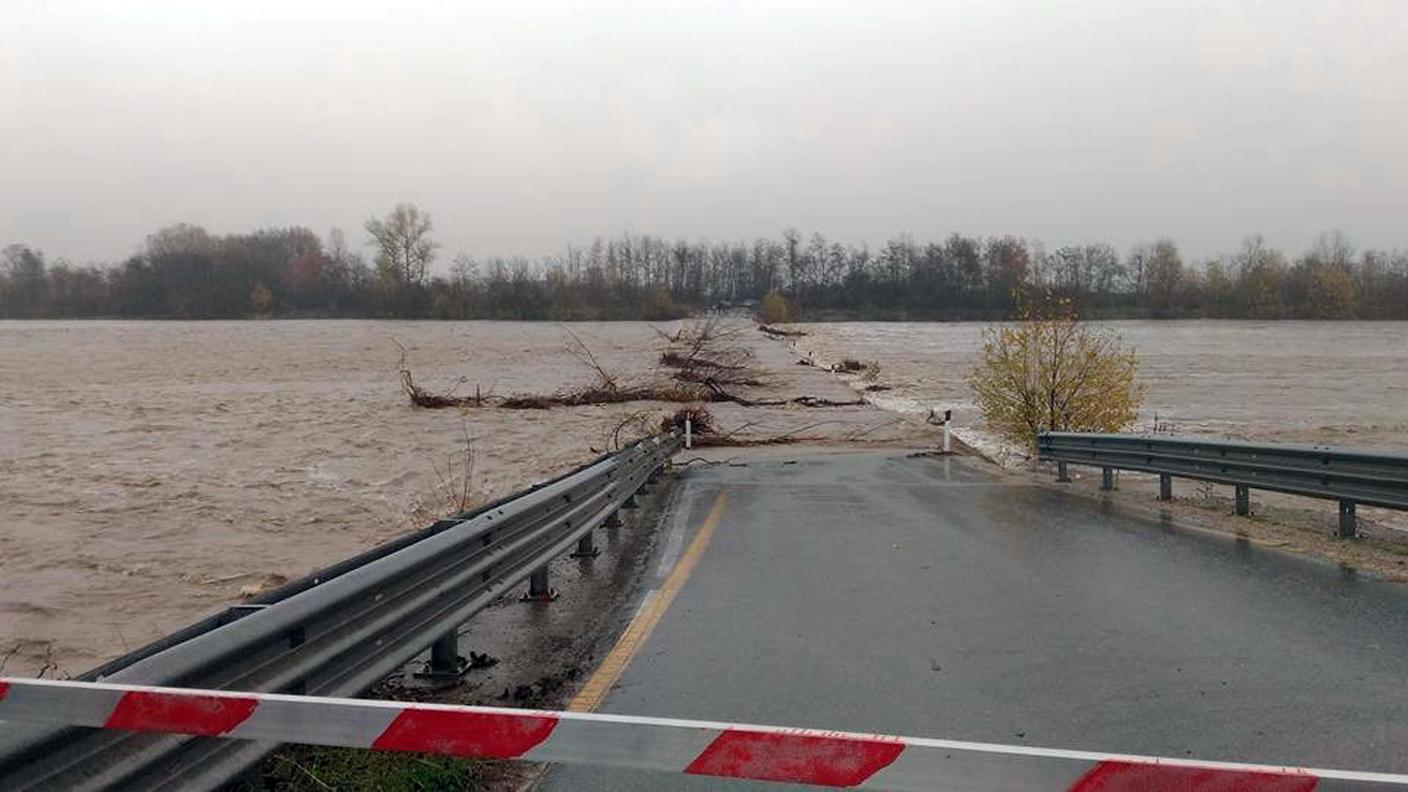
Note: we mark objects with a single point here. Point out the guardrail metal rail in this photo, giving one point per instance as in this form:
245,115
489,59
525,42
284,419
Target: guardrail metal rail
1348,476
338,631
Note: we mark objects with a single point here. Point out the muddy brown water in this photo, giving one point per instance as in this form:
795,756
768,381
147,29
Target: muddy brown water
1334,383
152,472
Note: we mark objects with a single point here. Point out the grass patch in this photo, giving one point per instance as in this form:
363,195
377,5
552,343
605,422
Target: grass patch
318,769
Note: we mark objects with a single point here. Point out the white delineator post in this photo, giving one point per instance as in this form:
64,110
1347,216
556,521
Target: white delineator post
948,417
688,433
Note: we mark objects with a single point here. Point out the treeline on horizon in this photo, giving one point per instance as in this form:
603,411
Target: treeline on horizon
184,272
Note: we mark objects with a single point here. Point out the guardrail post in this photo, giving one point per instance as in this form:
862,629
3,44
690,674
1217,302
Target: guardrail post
586,547
538,590
613,520
1107,478
1347,519
630,502
445,656
1165,487
1061,474
1244,500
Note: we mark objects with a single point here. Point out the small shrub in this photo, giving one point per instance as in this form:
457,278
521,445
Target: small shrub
1049,371
701,421
775,309
658,305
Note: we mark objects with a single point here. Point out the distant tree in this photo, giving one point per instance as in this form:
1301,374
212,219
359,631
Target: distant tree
1163,275
308,279
1051,372
1332,292
261,299
1217,287
964,255
1008,267
27,291
1381,285
404,251
1134,266
658,306
796,262
1261,279
1103,268
1067,267
179,239
1328,270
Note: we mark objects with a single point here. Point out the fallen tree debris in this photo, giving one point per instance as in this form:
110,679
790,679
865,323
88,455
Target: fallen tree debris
704,368
701,421
420,398
704,351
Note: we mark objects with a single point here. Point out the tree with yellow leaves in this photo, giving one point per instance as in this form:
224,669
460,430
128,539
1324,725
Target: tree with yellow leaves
775,308
1049,371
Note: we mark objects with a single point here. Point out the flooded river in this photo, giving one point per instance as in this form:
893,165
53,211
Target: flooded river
1337,383
152,472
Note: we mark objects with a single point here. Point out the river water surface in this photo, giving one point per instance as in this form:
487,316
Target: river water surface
1337,383
153,472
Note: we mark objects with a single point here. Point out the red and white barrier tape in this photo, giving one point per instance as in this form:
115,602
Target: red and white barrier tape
830,759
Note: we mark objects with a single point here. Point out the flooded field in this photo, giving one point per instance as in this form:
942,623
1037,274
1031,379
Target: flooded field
151,472
1336,383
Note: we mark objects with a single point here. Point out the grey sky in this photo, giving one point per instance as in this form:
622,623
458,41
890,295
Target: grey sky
523,127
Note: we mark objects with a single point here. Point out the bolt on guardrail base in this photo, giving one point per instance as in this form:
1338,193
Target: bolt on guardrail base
446,667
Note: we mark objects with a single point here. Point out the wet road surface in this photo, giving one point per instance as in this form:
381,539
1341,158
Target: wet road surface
929,597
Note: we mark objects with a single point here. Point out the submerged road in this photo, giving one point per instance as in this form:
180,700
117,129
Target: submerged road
930,597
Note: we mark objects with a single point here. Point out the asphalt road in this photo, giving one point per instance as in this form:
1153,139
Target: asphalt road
928,597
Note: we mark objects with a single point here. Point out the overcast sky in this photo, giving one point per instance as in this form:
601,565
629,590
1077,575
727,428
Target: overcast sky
524,127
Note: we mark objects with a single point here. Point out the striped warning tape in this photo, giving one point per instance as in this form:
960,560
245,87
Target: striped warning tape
831,759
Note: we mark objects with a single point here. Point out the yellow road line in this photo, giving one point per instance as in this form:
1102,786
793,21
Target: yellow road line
651,612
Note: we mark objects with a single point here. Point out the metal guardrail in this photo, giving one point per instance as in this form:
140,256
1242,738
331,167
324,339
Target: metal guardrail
1348,476
336,632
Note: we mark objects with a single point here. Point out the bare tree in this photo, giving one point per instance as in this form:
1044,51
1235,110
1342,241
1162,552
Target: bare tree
1163,274
404,248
